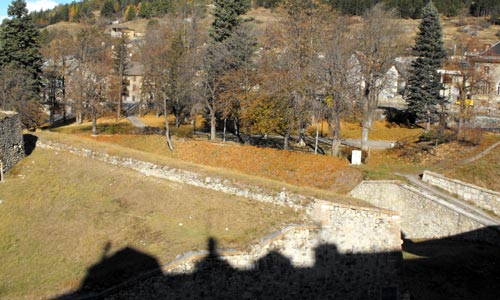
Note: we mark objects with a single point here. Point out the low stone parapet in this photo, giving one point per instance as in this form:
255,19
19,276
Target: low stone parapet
425,216
481,197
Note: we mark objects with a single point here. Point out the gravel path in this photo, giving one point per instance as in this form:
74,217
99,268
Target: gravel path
136,122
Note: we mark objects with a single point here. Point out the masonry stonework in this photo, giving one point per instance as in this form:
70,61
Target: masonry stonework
350,252
481,197
424,216
11,139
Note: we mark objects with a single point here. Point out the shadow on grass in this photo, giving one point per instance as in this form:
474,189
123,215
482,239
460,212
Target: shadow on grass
448,268
333,276
29,143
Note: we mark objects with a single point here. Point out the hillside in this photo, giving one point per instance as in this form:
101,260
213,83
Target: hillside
455,29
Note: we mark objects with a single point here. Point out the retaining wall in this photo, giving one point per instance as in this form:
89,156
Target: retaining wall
352,254
424,216
481,197
11,139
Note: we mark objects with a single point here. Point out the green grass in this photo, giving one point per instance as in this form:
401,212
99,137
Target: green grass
58,211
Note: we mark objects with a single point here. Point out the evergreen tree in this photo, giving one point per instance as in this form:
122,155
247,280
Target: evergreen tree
20,40
424,81
227,18
20,51
130,13
108,9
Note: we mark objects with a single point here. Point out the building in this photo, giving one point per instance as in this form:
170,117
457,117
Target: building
133,77
118,31
475,77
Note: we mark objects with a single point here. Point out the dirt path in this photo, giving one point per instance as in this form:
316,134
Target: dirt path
482,154
136,122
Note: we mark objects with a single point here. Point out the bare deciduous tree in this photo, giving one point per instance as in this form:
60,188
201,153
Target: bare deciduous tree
378,45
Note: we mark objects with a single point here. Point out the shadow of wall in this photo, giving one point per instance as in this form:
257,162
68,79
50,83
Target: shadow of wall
447,268
333,276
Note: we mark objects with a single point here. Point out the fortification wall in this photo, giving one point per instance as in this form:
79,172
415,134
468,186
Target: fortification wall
351,254
424,216
481,197
11,139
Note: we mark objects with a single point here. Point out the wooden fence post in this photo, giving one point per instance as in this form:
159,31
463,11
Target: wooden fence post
1,171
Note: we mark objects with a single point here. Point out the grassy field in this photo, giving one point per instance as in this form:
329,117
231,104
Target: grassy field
59,210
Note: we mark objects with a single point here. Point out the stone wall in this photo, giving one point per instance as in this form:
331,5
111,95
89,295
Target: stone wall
352,254
187,177
424,216
481,197
11,139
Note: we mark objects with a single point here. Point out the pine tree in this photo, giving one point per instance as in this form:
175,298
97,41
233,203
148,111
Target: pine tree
424,81
20,40
20,51
227,18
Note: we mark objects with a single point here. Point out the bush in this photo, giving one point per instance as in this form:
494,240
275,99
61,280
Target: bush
184,131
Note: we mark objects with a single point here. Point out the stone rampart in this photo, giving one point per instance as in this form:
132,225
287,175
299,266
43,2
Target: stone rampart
352,254
481,197
11,139
350,229
425,216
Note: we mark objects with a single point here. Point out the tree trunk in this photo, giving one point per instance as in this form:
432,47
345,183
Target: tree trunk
316,140
212,125
336,142
428,123
140,108
286,140
167,127
94,121
365,130
224,133
63,100
79,117
370,106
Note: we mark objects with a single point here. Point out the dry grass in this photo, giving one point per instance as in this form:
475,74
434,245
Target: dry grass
58,210
382,130
300,169
483,172
446,159
154,150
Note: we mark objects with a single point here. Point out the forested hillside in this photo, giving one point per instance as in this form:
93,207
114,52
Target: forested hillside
127,10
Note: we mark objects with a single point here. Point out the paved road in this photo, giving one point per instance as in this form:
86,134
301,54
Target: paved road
136,122
477,212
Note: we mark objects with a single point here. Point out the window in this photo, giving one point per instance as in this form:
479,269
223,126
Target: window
486,70
498,88
483,88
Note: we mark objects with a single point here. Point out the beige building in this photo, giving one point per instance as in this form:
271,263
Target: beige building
134,76
481,71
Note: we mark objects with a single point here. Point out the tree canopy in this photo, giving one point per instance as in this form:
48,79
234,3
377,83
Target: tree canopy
424,81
